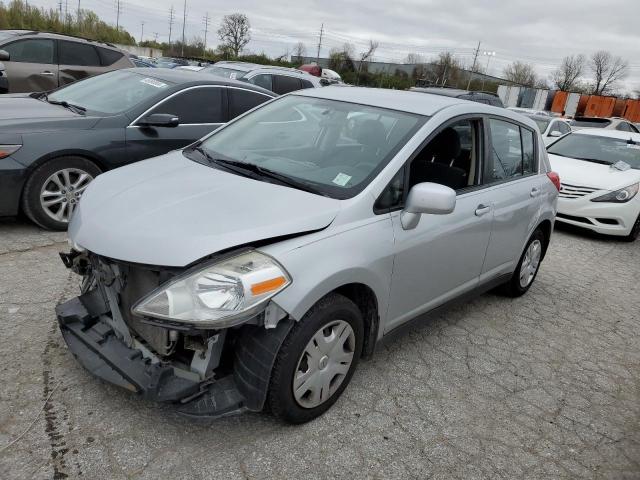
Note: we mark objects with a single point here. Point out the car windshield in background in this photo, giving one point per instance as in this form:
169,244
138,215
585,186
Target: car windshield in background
591,122
225,72
328,147
598,149
541,122
110,93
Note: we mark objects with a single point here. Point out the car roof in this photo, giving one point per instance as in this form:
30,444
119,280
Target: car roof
249,67
59,36
403,100
181,77
602,132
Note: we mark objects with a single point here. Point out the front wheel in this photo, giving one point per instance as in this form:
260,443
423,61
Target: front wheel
316,360
528,266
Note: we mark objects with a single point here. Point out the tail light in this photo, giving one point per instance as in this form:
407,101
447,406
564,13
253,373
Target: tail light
555,179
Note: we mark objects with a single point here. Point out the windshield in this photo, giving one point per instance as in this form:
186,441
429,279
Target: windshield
110,93
541,122
225,72
597,149
335,148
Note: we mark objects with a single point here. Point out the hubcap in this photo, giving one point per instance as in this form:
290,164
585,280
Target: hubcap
61,193
530,263
324,364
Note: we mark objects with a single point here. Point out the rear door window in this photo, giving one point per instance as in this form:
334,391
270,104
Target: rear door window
241,101
78,54
512,153
32,51
263,80
284,84
195,105
306,84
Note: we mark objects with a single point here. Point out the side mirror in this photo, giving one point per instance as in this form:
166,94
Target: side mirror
159,120
430,198
555,133
4,56
325,82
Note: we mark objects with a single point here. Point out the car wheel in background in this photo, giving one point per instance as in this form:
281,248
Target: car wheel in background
528,266
54,189
635,231
316,360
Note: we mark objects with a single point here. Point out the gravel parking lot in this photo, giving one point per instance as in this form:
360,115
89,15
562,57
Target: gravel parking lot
545,386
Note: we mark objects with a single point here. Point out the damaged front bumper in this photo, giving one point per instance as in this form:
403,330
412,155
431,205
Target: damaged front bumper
87,326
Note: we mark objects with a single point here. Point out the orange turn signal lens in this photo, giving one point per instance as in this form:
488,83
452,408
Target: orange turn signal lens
267,285
6,150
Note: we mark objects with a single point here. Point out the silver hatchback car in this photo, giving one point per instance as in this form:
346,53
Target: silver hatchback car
257,266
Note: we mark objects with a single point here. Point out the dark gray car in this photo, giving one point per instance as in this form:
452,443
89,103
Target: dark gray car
36,61
52,145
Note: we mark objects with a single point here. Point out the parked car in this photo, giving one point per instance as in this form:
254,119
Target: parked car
619,124
533,111
551,127
255,267
600,171
37,61
169,62
488,98
53,144
191,68
330,76
140,63
280,80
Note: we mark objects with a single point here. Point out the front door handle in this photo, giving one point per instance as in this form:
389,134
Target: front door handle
535,191
47,74
482,209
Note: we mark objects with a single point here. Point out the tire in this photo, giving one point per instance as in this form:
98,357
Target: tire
341,317
515,287
73,172
635,231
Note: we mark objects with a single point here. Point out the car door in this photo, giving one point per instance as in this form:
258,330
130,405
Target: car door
32,66
514,185
77,61
443,256
200,110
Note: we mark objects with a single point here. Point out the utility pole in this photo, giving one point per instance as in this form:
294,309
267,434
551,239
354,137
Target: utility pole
142,32
155,37
60,8
320,44
171,17
207,21
486,70
184,21
475,59
78,12
118,9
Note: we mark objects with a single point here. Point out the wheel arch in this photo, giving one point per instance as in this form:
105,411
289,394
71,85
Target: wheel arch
547,228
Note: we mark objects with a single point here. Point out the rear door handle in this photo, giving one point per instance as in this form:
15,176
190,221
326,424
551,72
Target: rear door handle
482,209
535,191
47,74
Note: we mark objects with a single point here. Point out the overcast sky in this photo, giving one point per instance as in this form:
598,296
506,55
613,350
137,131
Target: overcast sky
537,31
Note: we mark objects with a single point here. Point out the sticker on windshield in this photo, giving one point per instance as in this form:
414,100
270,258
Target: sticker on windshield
621,165
634,145
233,76
342,179
153,82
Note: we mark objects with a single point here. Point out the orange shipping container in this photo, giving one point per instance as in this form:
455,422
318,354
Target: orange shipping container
582,105
632,111
598,106
559,101
618,109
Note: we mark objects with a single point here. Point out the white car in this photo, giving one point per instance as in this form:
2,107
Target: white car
551,128
600,176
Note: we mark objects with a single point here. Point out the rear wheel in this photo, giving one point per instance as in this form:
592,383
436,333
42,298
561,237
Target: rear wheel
316,360
53,190
528,266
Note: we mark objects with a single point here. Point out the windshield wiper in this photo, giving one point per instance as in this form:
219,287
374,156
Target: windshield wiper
257,171
594,160
65,104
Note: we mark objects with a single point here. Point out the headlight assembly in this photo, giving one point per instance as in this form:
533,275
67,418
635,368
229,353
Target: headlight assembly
619,196
6,150
218,295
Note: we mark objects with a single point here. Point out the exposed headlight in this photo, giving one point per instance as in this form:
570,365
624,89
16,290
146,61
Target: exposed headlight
619,196
217,295
6,150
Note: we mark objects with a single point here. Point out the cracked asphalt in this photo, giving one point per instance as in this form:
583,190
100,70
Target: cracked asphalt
542,387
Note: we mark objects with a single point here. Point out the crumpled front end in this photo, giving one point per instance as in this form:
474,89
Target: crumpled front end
206,372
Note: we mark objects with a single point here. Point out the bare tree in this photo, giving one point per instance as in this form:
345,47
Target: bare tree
566,76
234,32
341,60
413,59
521,73
446,69
607,71
299,50
366,56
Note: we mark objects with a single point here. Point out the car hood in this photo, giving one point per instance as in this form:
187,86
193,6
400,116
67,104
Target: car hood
172,211
588,174
24,114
